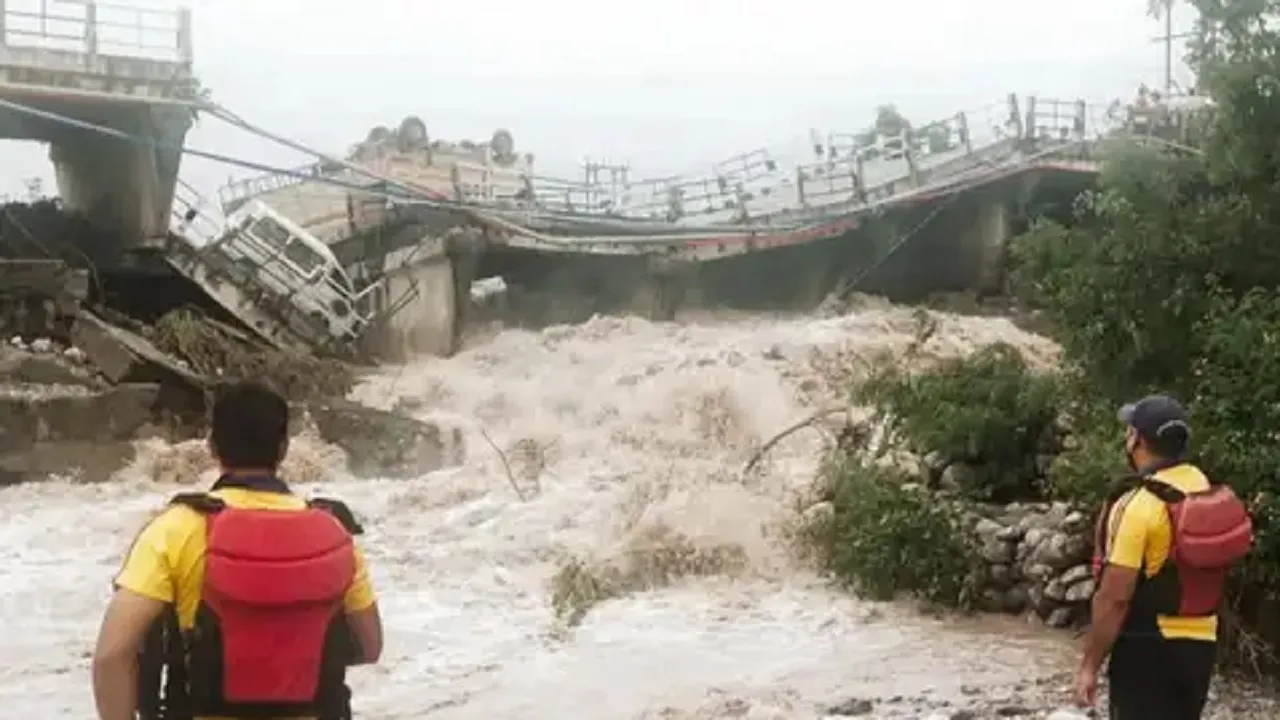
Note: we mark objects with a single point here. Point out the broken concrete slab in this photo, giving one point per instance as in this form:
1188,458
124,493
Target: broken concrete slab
121,355
70,429
41,297
379,443
86,461
48,366
50,413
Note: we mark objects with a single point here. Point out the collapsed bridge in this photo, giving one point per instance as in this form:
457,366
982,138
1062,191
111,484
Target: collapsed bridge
393,249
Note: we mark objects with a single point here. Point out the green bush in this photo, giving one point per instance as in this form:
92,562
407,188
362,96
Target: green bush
881,536
989,408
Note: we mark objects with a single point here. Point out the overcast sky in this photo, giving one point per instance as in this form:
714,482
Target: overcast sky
667,85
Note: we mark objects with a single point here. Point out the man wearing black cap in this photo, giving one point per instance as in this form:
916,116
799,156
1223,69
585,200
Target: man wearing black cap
1160,663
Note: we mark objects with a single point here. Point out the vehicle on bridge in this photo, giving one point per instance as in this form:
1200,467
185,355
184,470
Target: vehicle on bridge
284,282
290,262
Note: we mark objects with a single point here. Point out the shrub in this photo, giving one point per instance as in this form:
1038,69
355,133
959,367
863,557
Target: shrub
989,408
881,536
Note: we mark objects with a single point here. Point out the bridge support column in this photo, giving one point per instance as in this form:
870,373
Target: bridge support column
663,290
986,241
432,293
122,186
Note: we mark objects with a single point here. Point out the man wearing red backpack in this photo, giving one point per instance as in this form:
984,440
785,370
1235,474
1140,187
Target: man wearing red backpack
245,601
1163,546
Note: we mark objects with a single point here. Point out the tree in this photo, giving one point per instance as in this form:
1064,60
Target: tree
1169,276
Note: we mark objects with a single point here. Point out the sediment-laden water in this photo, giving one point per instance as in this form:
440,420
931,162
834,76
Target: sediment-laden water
621,435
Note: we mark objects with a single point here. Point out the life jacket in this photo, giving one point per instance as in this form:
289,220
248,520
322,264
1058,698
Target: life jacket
1210,532
270,638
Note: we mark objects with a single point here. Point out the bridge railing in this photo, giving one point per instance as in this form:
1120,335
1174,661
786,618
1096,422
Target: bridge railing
235,192
121,28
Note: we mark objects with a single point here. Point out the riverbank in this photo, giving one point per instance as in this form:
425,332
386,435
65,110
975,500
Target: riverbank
624,437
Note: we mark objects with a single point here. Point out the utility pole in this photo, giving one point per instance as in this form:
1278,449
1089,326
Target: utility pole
1166,7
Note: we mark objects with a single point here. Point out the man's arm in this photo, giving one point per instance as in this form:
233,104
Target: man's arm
115,659
361,606
1116,587
144,588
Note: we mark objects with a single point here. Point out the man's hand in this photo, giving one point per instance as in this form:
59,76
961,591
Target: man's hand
1085,691
115,659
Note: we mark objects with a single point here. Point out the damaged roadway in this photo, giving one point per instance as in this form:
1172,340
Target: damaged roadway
80,382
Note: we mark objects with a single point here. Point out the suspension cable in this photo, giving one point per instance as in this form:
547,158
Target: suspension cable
215,157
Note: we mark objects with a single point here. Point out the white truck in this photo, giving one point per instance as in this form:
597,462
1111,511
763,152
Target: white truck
270,257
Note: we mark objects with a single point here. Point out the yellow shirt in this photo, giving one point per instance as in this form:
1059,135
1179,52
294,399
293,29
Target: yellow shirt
166,562
1140,538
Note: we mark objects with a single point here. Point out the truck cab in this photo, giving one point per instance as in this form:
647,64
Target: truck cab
295,267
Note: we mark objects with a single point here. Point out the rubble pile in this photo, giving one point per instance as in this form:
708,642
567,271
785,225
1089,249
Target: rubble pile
217,351
81,382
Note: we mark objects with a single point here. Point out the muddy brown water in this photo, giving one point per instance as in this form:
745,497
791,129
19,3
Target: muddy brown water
613,429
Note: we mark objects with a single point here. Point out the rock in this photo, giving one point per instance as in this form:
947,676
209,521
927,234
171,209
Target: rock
1010,534
1074,522
852,707
998,576
1056,591
1076,574
1061,550
1036,600
1080,591
959,476
1035,521
1060,618
987,529
932,465
991,600
997,552
383,444
1015,600
1035,571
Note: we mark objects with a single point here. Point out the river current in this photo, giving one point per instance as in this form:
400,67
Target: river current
621,435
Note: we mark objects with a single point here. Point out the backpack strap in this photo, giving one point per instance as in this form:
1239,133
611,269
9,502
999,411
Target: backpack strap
339,510
201,502
207,504
1167,493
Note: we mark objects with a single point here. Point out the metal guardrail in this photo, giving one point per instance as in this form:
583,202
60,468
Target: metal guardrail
846,171
119,29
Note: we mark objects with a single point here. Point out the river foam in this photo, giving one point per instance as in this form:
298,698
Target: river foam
624,437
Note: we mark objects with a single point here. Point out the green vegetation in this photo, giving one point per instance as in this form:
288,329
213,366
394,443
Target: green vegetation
989,409
657,558
1166,279
881,535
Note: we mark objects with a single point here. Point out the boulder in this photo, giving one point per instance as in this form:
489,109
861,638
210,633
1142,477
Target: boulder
380,443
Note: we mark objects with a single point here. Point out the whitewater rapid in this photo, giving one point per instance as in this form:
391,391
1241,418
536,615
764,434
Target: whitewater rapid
617,431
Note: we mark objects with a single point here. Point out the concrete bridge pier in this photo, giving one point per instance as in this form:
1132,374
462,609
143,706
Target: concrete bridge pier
122,186
985,241
664,288
430,284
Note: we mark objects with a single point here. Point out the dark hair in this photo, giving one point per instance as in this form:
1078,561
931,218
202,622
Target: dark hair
1171,444
250,426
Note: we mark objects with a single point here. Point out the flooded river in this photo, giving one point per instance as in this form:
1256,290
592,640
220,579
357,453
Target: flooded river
617,431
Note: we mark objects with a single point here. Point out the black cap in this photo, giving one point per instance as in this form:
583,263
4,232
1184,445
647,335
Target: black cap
1158,419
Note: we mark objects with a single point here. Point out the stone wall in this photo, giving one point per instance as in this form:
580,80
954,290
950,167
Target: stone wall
1034,557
